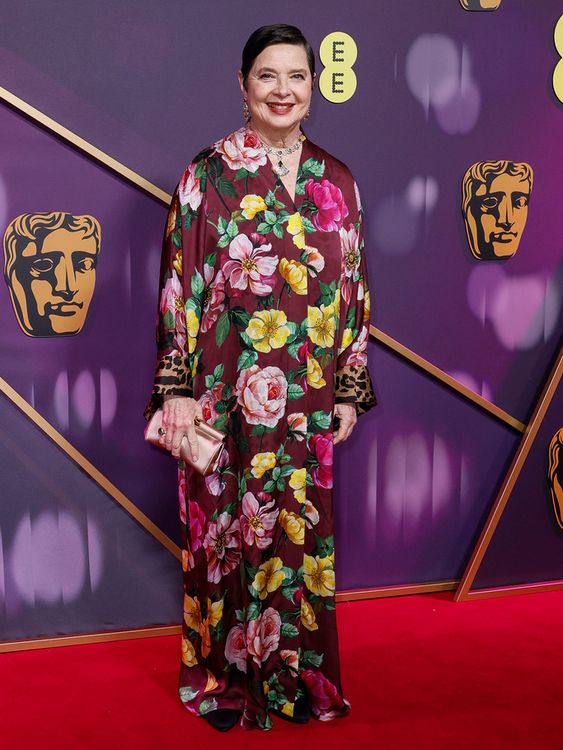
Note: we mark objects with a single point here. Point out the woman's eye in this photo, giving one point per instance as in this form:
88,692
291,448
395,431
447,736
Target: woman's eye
266,75
299,76
42,265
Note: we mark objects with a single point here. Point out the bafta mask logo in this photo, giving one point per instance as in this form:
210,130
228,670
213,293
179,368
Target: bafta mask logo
495,207
50,268
555,474
480,4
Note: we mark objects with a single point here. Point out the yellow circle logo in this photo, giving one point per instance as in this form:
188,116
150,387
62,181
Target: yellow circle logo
338,53
558,72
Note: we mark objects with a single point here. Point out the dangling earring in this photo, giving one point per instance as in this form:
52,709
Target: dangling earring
245,110
307,114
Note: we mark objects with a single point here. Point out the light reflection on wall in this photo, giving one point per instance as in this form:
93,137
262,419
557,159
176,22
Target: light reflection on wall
419,482
52,559
84,401
84,398
439,76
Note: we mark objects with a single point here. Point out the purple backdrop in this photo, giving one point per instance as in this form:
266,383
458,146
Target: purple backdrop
438,89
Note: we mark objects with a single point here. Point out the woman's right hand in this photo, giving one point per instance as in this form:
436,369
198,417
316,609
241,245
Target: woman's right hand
178,421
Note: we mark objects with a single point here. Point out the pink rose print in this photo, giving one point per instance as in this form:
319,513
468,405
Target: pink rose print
213,297
321,447
172,301
297,422
214,482
197,524
263,635
208,401
359,350
262,393
222,545
331,209
257,521
235,647
350,246
189,191
250,266
324,699
242,150
182,494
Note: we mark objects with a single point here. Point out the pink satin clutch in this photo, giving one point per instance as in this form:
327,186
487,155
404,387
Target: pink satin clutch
210,444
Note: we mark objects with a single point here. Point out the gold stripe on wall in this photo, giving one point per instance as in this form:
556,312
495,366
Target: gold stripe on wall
79,640
85,146
523,588
446,379
510,479
154,190
89,468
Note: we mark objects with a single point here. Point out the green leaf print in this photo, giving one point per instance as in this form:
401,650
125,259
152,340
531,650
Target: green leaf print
308,225
232,229
210,260
294,391
246,359
218,373
324,546
253,611
221,422
320,420
313,168
350,318
278,231
209,704
223,328
168,320
270,217
269,486
198,284
310,659
264,228
187,694
289,631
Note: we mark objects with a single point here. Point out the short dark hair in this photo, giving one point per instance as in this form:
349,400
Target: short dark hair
266,36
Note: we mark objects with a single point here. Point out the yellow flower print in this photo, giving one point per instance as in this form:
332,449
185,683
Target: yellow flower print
347,338
308,615
171,222
192,613
367,306
251,204
268,330
269,577
319,575
336,304
298,482
320,323
314,373
288,708
177,263
295,273
188,653
195,363
293,525
211,683
192,328
295,228
214,612
261,462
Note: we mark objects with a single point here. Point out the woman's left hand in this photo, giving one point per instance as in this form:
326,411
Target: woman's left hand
346,413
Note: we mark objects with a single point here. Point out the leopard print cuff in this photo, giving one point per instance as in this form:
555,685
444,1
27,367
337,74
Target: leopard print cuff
172,378
352,385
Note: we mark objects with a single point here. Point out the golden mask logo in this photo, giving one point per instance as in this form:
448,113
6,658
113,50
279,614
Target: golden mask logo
555,474
480,4
495,207
50,268
338,52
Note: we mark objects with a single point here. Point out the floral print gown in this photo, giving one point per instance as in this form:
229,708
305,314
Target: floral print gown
263,318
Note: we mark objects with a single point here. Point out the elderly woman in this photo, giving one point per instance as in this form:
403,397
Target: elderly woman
262,332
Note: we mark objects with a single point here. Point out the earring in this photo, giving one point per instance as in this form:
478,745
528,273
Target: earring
307,114
245,110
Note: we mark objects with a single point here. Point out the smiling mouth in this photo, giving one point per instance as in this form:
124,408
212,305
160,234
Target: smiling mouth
279,108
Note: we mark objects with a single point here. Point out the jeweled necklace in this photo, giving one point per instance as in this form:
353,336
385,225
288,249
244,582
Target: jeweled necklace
279,153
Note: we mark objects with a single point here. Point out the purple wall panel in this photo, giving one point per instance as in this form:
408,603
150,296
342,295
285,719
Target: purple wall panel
71,560
415,481
144,83
527,546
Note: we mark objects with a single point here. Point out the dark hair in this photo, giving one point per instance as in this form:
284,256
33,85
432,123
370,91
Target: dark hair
266,36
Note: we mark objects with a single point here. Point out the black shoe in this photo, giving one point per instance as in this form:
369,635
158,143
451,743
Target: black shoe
301,713
222,719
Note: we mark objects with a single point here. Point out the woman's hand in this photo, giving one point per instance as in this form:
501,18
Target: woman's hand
178,415
347,415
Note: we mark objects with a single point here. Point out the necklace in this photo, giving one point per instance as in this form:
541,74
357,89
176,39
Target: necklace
280,168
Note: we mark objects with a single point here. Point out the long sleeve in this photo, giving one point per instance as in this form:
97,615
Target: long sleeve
352,379
180,291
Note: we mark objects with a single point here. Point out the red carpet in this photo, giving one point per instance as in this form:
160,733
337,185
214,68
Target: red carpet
421,672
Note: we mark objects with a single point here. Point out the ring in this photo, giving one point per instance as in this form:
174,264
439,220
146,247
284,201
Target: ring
162,431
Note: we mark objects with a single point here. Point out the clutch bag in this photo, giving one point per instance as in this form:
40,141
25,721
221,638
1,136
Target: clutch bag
210,443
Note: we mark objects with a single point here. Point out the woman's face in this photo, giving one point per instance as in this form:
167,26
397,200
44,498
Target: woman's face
278,88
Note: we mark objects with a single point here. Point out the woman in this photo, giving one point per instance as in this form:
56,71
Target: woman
263,327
